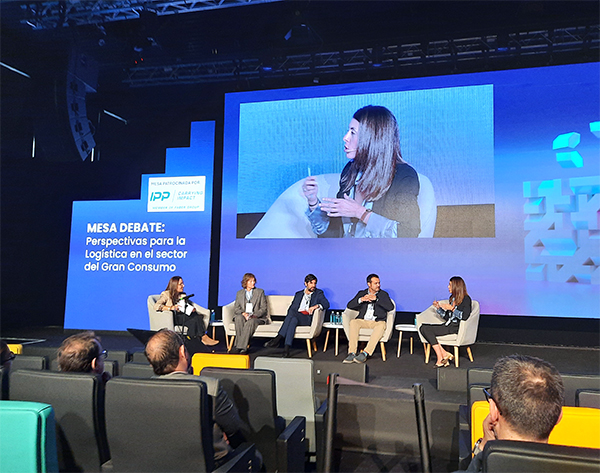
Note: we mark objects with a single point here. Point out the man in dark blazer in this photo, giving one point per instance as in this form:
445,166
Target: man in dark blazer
249,311
300,312
372,305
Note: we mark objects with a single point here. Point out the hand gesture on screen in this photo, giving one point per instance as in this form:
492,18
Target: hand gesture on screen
346,207
310,188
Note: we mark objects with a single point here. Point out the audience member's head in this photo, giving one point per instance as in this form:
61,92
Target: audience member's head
6,356
82,353
527,397
166,352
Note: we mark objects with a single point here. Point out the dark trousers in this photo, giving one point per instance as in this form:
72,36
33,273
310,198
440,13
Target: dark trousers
291,321
194,323
431,331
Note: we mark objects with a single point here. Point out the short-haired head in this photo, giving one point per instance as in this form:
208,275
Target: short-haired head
529,394
310,277
78,352
371,276
162,351
247,277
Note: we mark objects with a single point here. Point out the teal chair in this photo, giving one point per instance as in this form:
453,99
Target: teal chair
27,437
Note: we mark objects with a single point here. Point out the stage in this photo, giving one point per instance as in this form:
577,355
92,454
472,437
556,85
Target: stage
376,428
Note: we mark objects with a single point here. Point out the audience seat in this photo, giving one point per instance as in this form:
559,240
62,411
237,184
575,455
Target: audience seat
30,362
137,370
158,425
78,402
254,394
508,456
579,426
587,398
27,437
294,383
219,360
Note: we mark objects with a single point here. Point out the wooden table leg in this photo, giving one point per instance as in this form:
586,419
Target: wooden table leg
326,339
399,343
411,345
337,335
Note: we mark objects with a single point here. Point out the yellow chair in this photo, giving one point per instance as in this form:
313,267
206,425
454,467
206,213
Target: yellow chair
219,360
579,426
16,348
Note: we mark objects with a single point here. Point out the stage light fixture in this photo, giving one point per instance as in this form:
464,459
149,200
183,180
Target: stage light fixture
14,69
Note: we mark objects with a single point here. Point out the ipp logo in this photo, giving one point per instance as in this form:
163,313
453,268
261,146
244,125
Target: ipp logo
159,196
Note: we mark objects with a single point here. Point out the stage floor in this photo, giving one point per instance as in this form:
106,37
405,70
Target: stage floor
360,449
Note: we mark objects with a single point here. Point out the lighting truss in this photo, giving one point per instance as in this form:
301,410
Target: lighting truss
490,48
48,15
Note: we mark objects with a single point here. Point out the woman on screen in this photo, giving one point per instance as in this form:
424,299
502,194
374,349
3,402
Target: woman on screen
456,309
378,190
184,313
249,311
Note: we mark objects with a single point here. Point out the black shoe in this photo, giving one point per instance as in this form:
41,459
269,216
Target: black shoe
234,350
243,351
286,352
274,343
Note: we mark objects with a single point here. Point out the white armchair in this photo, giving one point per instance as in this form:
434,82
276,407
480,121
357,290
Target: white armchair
164,319
466,336
365,333
286,218
277,305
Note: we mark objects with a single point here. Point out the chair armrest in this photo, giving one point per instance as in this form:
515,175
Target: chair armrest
242,459
389,324
428,316
161,319
205,313
320,415
228,318
317,323
291,446
347,316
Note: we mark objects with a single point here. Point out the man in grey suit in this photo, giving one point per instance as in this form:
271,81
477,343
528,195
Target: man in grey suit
170,359
249,311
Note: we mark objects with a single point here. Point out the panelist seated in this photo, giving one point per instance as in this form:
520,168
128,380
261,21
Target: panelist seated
454,312
377,195
300,312
184,313
373,305
249,311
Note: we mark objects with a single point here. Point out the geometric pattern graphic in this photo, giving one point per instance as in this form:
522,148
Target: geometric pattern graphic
562,221
563,230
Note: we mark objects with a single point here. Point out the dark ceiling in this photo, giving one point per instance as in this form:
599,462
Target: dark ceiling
259,30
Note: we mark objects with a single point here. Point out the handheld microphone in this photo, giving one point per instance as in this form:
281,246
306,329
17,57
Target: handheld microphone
185,298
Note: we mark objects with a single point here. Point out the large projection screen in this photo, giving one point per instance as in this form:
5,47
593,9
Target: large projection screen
513,160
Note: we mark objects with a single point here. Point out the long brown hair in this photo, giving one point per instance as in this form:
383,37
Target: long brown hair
377,153
459,289
172,289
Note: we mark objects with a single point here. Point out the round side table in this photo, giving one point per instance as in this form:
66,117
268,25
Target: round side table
404,328
331,326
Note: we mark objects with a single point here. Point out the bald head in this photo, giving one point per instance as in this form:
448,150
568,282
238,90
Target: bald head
78,352
163,351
